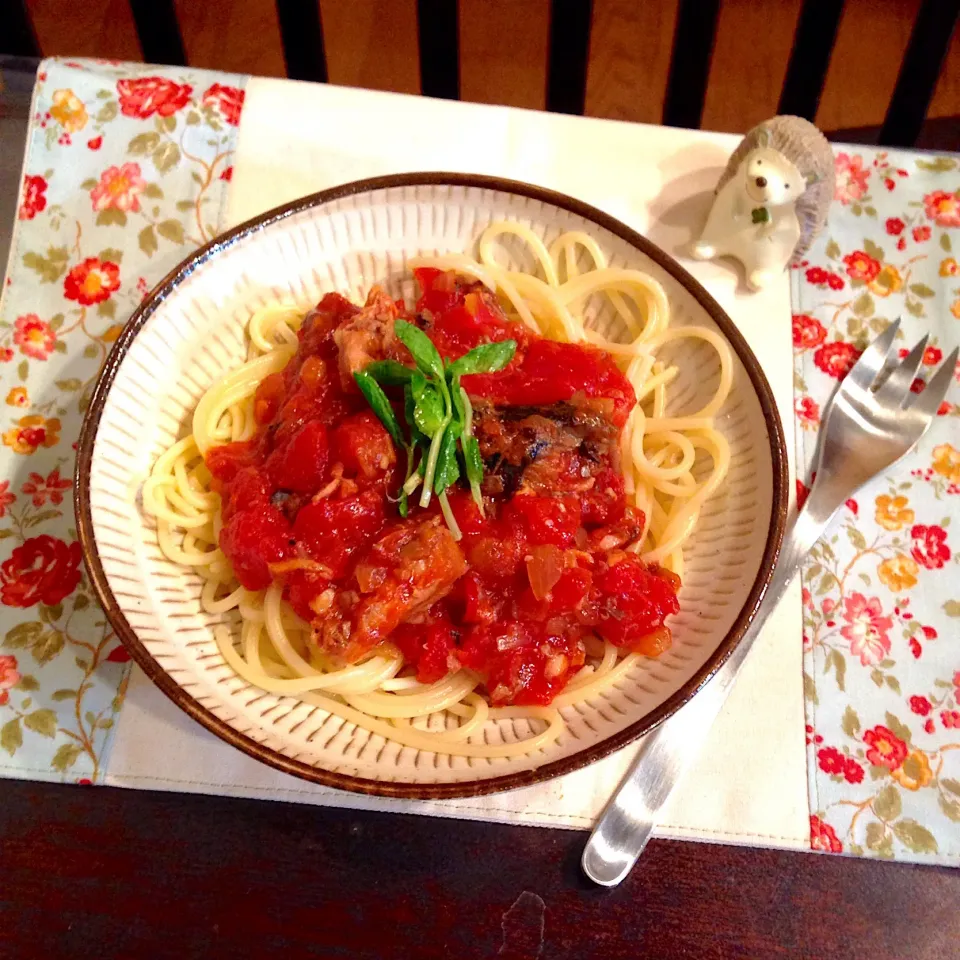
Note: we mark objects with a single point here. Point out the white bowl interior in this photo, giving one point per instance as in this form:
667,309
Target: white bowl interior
196,334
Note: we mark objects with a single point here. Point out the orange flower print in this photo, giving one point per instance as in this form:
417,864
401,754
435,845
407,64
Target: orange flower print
31,433
34,337
9,676
34,197
91,281
887,281
886,749
946,462
866,628
119,188
955,308
823,837
43,490
6,497
68,110
915,772
949,268
893,513
808,413
861,266
18,397
851,178
899,573
942,208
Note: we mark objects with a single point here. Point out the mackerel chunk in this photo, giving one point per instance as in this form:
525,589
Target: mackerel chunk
544,450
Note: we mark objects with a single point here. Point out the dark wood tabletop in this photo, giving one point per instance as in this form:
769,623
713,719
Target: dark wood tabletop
103,872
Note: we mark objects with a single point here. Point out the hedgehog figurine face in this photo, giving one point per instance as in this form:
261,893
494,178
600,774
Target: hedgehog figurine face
772,199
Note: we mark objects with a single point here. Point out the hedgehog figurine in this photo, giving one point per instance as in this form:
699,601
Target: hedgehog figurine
772,199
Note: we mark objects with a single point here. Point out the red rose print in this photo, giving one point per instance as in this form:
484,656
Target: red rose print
921,233
836,358
6,354
118,655
831,760
929,726
803,491
146,96
227,174
950,719
9,676
92,281
96,143
34,200
43,570
817,275
861,266
34,337
932,356
942,208
823,837
920,706
808,413
945,409
929,633
915,648
930,548
866,628
43,490
902,243
852,771
895,226
808,332
6,498
228,99
835,281
886,748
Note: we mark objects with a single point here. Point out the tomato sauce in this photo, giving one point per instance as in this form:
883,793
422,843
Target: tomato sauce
311,501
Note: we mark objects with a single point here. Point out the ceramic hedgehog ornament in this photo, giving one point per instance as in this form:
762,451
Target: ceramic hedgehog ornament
772,199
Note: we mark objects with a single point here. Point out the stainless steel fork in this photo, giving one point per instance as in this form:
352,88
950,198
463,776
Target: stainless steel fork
871,422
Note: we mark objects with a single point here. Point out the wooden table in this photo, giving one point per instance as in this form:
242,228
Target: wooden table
103,872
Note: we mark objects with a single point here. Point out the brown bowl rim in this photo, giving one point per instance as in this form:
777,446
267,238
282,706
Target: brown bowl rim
397,789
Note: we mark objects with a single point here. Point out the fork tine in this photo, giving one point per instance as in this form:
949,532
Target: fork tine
895,388
871,361
928,402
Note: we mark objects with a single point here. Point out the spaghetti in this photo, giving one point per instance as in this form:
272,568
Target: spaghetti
275,649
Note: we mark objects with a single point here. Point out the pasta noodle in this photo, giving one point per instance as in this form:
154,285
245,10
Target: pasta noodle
659,455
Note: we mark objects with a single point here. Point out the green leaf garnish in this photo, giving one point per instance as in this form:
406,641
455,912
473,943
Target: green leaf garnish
428,410
487,358
389,372
421,348
438,416
380,405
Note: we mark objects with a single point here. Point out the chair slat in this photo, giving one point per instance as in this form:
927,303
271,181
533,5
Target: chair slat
158,31
919,70
19,38
301,33
810,57
438,30
569,53
693,41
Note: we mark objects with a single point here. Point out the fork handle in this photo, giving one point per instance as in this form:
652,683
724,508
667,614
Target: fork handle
625,826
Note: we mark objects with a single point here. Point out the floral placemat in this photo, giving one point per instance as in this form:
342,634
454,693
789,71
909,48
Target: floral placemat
127,168
881,591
